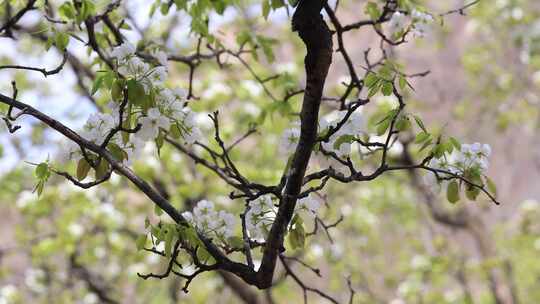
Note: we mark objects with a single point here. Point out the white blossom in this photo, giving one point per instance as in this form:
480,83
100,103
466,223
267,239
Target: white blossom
169,109
261,203
192,136
227,222
34,279
354,126
158,75
151,124
123,51
469,157
209,221
310,204
204,208
188,216
76,230
398,21
260,217
134,67
98,126
161,57
422,23
7,294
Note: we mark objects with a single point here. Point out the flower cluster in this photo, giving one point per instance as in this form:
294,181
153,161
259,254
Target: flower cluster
259,217
165,113
262,212
418,23
422,22
470,160
289,140
210,222
353,126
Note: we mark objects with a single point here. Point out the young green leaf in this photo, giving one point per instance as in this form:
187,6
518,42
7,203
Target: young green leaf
82,169
491,186
61,40
102,169
370,79
402,82
421,137
472,193
347,138
387,88
140,242
420,123
452,192
42,171
383,126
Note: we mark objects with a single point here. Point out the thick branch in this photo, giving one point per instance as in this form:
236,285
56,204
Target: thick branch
318,40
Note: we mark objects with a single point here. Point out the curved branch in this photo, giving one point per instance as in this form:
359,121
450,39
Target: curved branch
316,35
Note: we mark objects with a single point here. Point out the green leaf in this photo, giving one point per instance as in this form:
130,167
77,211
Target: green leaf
169,239
67,11
383,126
203,255
87,9
426,144
267,45
438,150
371,79
452,192
491,186
277,4
116,90
101,169
348,138
42,171
297,235
265,9
386,71
235,242
402,82
117,152
61,40
374,89
403,124
421,137
39,187
387,88
50,42
174,131
372,10
455,143
98,82
141,242
420,123
472,193
219,6
83,167
164,9
244,37
160,141
136,93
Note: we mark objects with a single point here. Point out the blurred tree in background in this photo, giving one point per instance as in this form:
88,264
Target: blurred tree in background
269,151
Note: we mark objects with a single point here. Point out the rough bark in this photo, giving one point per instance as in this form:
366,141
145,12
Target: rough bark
316,35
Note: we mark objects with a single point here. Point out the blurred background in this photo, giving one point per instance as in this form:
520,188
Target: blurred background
394,240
